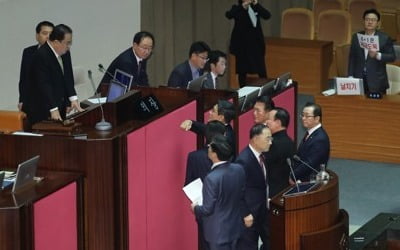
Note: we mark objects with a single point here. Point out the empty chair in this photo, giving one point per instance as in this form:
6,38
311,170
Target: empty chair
322,5
334,25
393,73
356,9
297,23
12,121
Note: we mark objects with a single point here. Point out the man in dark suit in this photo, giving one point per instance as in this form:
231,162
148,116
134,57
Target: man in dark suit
223,111
315,146
247,38
261,109
256,193
191,68
133,60
283,148
51,90
215,66
223,192
370,64
43,30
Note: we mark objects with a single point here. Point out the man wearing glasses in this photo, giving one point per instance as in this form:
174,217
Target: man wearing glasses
133,60
370,64
191,68
314,149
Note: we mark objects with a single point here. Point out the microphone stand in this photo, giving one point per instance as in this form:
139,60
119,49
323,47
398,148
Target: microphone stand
289,162
102,125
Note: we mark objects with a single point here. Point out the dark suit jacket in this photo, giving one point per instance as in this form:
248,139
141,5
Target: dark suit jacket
126,61
376,69
314,151
247,42
181,75
198,165
49,87
200,129
256,187
222,201
278,171
23,85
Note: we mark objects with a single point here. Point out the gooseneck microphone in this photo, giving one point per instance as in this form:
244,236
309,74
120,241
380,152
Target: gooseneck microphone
101,125
289,162
103,70
297,158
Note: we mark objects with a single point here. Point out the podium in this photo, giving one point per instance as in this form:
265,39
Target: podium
309,221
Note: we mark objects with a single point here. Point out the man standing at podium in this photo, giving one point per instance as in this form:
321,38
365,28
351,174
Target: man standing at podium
314,149
370,64
256,193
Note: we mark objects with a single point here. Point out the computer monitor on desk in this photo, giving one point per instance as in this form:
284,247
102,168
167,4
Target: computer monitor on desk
123,78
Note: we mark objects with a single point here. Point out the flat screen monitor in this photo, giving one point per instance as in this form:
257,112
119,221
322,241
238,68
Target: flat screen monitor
115,90
197,84
250,100
282,80
124,78
301,188
267,88
26,172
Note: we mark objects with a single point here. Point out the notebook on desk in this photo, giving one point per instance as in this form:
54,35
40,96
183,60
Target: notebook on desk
25,175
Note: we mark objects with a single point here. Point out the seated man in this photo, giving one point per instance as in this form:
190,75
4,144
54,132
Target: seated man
133,60
215,66
191,68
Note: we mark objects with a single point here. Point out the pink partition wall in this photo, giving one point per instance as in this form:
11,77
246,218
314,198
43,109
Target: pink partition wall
286,100
159,212
55,220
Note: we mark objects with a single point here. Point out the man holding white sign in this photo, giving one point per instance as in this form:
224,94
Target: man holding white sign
369,52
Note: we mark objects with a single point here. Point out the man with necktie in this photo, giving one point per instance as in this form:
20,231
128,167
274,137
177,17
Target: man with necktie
216,66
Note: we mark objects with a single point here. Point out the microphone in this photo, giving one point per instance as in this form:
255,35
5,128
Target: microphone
289,162
101,125
297,158
103,70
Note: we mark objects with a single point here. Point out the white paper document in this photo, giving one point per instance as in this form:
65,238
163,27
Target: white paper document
368,42
193,191
96,100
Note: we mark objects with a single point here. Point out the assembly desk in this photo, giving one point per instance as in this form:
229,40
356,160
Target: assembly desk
361,128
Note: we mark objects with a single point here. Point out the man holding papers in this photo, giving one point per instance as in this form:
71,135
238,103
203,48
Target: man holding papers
223,198
369,52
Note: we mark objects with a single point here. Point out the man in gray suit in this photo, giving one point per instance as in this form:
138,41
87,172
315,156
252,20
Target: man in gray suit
223,198
370,64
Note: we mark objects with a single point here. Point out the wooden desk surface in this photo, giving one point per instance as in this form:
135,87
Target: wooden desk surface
361,128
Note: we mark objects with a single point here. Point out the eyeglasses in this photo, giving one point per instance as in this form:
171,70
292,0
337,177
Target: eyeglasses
306,116
370,19
149,49
202,57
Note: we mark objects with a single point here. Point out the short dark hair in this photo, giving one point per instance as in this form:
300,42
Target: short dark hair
214,128
198,47
59,32
41,24
257,129
221,147
317,110
227,109
283,116
141,35
213,57
268,103
372,11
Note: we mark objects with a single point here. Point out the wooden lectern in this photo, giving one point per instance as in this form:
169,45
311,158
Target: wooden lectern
309,221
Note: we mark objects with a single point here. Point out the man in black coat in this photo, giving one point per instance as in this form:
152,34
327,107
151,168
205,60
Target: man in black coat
283,148
133,60
370,64
51,91
247,38
43,30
